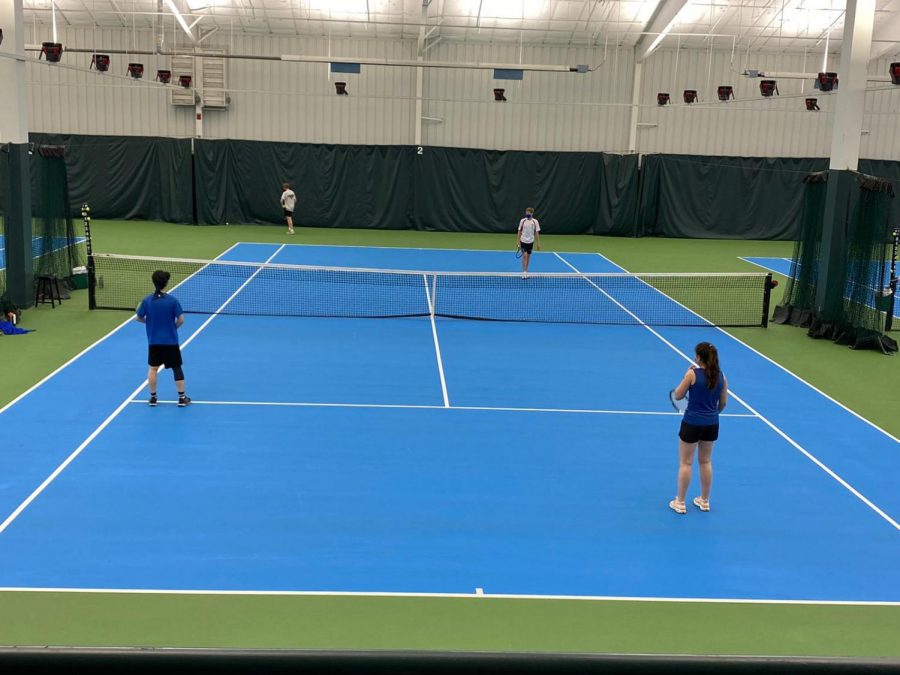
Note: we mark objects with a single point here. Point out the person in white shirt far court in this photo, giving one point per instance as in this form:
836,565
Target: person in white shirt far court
527,237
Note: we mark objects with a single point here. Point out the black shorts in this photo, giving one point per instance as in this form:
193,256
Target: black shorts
288,214
691,433
164,355
526,248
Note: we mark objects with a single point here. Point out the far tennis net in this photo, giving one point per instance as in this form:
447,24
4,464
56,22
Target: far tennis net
257,289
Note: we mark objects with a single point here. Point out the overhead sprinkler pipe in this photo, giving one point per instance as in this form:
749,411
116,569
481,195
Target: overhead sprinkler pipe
533,67
779,75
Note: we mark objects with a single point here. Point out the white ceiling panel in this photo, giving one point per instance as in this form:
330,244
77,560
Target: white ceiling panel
756,25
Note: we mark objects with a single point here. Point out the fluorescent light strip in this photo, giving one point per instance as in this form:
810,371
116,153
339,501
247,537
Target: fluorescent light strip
180,18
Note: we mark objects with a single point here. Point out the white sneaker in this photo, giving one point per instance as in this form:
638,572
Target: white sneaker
677,506
700,504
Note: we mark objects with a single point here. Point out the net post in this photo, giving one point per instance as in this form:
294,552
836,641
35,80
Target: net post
767,297
89,247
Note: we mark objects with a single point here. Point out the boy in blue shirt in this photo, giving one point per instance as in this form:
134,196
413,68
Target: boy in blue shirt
163,316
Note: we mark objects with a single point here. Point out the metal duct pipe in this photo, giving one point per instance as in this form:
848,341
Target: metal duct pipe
296,58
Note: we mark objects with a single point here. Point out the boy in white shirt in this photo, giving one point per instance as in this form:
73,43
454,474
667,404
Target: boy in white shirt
528,234
288,201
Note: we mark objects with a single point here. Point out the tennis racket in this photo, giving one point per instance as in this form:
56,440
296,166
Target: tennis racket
680,405
519,252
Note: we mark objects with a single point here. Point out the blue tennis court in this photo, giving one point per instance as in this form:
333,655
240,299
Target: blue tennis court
438,456
37,247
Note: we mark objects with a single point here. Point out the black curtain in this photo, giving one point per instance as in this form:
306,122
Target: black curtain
886,170
446,189
722,197
468,190
124,177
402,187
364,186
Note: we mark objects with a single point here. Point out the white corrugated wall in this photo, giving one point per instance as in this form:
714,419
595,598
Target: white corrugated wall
296,101
751,125
546,111
64,100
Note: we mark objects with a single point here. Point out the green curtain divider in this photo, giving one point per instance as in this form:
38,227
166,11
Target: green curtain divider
619,196
886,170
467,190
443,189
125,177
722,197
403,187
356,186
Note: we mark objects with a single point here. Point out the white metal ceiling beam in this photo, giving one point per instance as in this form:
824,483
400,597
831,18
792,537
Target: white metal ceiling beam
178,17
886,38
207,34
222,13
84,4
119,13
658,27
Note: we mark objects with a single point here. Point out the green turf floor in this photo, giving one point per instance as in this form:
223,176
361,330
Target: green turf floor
864,381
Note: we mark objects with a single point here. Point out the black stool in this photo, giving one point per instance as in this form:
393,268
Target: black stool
47,286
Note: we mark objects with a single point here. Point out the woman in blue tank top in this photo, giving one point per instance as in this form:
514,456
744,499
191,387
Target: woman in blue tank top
707,391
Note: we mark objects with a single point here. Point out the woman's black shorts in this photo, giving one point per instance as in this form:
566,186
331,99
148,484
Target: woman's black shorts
164,355
691,433
526,247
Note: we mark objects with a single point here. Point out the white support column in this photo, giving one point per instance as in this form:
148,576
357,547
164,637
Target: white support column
635,107
14,102
851,98
420,82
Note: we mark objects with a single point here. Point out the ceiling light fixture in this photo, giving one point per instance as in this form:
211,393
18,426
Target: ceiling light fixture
180,19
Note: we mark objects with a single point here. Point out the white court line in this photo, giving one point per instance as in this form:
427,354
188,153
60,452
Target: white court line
310,404
28,500
418,248
781,367
497,596
87,349
41,255
437,346
856,493
390,248
761,266
71,458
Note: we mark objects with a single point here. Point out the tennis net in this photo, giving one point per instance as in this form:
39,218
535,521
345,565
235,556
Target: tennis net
258,289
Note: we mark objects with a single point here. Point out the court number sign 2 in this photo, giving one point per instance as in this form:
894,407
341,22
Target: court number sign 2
419,150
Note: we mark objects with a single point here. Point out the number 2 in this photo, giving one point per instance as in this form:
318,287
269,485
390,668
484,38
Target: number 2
419,150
